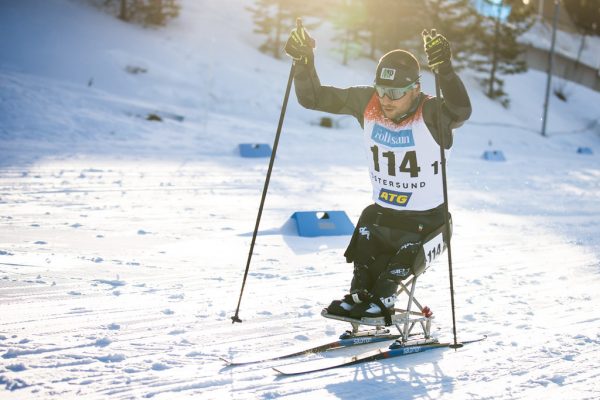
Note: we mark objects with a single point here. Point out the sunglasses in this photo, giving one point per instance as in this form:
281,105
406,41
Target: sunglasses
393,92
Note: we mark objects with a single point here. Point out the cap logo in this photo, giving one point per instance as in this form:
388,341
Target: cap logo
388,74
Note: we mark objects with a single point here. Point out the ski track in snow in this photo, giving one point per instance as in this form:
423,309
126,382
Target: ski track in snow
124,241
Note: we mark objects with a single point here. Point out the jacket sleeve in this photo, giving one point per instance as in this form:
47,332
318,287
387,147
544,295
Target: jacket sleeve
456,106
312,95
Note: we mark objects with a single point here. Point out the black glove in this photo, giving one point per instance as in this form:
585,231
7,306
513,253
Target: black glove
300,45
438,50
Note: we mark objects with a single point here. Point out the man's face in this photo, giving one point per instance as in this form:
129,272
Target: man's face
393,109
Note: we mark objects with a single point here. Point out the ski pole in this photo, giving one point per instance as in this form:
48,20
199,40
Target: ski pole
438,94
446,212
236,317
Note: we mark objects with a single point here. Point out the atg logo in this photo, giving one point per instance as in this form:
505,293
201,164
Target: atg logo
391,138
395,198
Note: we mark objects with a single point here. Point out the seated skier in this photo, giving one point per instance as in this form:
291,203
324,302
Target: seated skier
402,143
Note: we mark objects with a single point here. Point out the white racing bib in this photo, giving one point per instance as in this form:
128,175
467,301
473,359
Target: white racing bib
404,161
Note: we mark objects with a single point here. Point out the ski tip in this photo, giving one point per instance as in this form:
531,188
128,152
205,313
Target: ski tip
462,343
483,337
282,371
479,339
226,361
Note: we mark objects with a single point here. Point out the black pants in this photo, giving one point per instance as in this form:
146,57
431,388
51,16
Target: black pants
385,245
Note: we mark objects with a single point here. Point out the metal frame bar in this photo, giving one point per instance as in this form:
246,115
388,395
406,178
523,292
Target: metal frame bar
405,320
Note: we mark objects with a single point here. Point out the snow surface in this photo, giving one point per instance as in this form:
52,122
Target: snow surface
124,241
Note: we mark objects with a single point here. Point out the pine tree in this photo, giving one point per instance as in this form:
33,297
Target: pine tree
461,24
378,26
349,22
123,14
275,19
145,12
499,52
157,12
396,24
264,22
585,14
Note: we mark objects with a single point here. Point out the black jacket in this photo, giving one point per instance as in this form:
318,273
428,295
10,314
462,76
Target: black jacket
456,106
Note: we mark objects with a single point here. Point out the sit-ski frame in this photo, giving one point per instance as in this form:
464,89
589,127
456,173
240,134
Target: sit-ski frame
405,320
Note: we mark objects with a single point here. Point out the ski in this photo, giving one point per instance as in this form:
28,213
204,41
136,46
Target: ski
378,354
338,344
